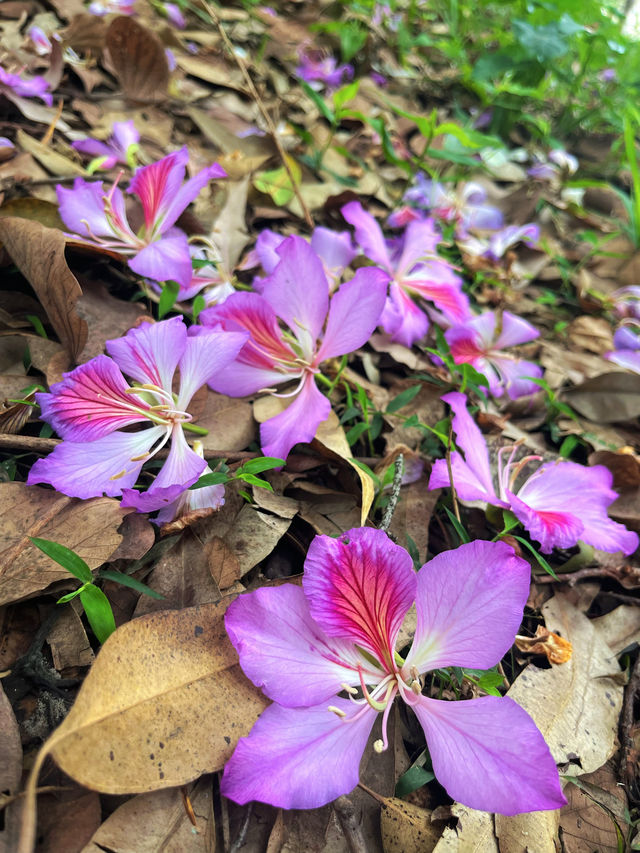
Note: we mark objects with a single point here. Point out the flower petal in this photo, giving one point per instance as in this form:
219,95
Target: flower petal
206,353
298,423
334,248
471,441
299,758
91,401
359,588
83,205
298,291
489,755
465,480
165,259
368,235
285,652
469,604
419,244
402,319
438,283
150,353
157,185
90,469
516,376
354,313
515,331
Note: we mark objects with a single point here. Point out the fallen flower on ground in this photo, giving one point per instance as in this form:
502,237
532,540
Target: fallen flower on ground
626,341
414,268
121,147
560,503
317,69
297,293
159,250
303,646
15,86
465,205
93,404
481,342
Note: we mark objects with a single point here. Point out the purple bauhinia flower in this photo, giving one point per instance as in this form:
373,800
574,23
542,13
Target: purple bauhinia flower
627,348
560,503
93,405
465,205
121,147
159,250
497,245
14,86
40,40
303,646
317,69
481,341
413,268
297,293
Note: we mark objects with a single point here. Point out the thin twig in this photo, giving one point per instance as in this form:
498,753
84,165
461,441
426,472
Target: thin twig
263,110
454,497
395,493
572,578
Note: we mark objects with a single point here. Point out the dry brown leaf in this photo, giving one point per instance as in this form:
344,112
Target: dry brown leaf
38,252
619,628
90,528
10,748
158,823
54,162
44,212
586,826
106,316
68,820
474,833
138,60
591,333
556,649
68,640
608,398
229,421
518,834
407,828
212,70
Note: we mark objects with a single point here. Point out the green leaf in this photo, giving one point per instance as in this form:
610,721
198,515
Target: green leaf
252,480
277,182
345,94
132,583
66,598
99,613
356,432
319,101
415,777
168,297
215,478
403,399
65,557
541,560
264,463
462,533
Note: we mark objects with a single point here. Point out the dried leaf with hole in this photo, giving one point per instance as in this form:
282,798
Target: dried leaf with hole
138,60
38,252
90,528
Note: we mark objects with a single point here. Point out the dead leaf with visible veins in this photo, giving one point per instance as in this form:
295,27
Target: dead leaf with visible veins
38,252
138,59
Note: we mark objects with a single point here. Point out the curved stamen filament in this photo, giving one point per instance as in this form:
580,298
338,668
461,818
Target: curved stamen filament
521,464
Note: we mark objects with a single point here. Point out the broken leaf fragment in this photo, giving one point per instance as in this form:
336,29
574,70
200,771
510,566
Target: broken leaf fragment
545,642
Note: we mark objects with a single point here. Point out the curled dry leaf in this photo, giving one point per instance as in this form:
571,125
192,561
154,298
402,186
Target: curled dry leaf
555,648
138,60
38,252
90,528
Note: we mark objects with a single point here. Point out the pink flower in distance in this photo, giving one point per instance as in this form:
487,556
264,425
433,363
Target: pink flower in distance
414,269
296,293
560,503
627,348
40,40
14,86
465,205
317,69
303,646
94,403
121,147
481,342
158,250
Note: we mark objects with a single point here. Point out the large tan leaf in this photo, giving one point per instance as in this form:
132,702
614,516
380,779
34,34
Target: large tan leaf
607,398
90,528
38,252
407,828
138,59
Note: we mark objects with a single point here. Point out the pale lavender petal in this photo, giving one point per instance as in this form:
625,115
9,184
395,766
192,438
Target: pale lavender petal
298,291
489,755
471,441
83,205
421,238
266,250
469,605
92,147
515,331
359,588
285,652
368,234
299,758
509,236
468,485
626,337
90,469
625,358
402,319
354,313
182,466
206,354
125,135
516,376
151,353
298,423
334,248
166,259
484,217
91,402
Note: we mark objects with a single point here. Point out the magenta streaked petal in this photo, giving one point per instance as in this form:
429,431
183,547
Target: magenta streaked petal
286,653
151,353
359,588
205,354
165,259
82,205
91,401
515,331
437,282
368,234
550,527
354,313
471,442
157,186
189,191
402,319
298,423
298,291
90,469
469,605
299,758
489,755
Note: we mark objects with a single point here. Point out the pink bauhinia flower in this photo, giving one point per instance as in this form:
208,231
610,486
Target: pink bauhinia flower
303,646
120,147
158,250
481,342
319,70
413,268
297,293
465,205
94,403
15,87
560,503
